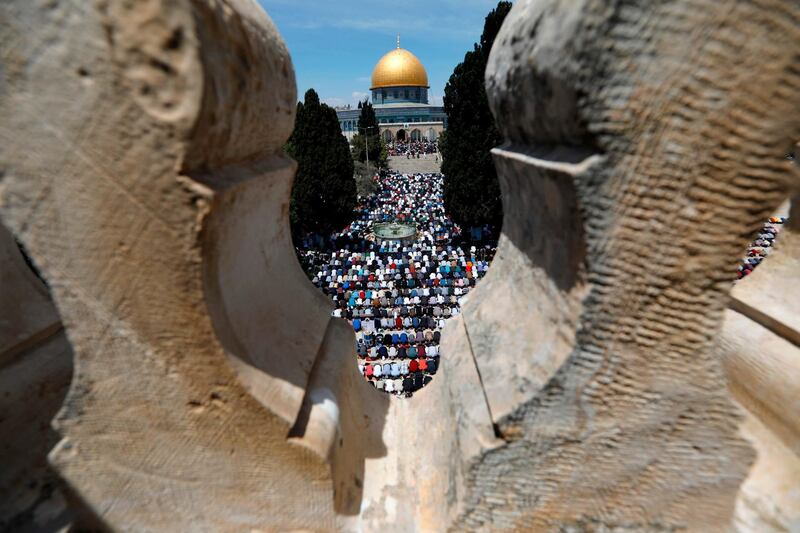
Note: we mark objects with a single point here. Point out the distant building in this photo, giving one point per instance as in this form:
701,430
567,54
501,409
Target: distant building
400,97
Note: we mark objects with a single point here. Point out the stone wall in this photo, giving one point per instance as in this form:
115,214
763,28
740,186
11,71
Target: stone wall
633,177
584,385
35,372
759,346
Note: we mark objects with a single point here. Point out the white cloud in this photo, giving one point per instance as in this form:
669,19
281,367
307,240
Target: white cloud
335,102
359,96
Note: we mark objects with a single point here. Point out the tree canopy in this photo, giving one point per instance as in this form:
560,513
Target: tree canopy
471,190
368,127
367,118
324,192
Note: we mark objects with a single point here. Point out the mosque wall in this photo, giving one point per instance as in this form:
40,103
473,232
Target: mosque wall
413,131
401,95
392,118
585,385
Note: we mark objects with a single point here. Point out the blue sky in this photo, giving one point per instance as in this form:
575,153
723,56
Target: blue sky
335,44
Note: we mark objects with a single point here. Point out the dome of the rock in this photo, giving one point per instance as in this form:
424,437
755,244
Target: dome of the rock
400,98
399,68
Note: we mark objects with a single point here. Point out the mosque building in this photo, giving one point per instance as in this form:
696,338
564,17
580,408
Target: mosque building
400,98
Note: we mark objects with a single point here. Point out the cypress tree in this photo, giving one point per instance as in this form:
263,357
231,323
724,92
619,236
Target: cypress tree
324,191
471,190
367,118
368,126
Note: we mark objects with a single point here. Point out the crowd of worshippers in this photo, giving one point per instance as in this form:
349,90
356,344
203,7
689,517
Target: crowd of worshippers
397,295
413,148
758,250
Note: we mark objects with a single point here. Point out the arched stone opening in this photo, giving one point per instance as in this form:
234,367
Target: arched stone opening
634,315
401,135
387,135
416,135
431,134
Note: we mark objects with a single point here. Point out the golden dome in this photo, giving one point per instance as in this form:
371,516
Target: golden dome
399,68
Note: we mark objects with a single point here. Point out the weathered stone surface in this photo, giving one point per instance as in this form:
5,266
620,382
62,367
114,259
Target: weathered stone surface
35,371
760,351
141,164
764,377
768,500
634,430
537,277
27,315
763,373
142,167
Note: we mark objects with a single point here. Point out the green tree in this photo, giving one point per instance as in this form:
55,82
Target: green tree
324,192
471,190
368,127
367,118
364,183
